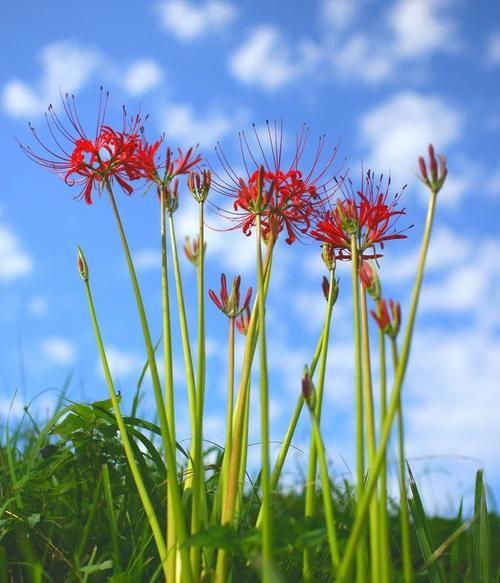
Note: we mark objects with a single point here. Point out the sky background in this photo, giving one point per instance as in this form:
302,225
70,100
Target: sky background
382,79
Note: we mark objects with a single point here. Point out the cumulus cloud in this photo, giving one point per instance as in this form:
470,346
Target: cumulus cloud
188,20
58,350
15,262
142,76
122,363
267,60
65,67
182,124
398,130
146,259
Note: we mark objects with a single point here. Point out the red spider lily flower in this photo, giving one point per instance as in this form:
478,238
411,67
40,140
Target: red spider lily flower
163,171
437,177
243,321
388,323
284,197
369,214
192,250
229,304
109,156
369,279
199,184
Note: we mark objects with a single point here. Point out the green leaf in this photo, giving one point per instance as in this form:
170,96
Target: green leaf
89,569
481,549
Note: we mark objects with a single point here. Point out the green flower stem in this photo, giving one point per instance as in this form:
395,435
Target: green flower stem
233,485
264,418
181,530
361,575
285,446
186,346
327,494
404,515
244,456
169,383
198,514
358,527
230,392
370,437
310,510
385,566
141,488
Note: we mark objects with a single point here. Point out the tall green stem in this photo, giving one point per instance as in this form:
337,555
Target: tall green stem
310,506
385,565
360,456
264,419
181,529
358,527
285,446
169,382
141,488
403,503
370,438
199,493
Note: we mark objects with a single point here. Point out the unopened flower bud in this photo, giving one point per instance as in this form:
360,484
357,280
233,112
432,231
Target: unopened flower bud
192,250
82,265
437,175
370,280
199,184
325,286
229,304
328,256
308,391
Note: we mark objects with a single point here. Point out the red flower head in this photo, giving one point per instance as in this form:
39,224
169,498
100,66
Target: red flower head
283,197
163,171
370,280
369,214
388,323
229,304
437,177
110,155
192,250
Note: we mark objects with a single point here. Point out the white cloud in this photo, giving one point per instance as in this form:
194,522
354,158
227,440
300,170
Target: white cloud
66,66
182,124
338,14
397,131
146,259
15,262
422,27
266,59
122,363
38,306
58,350
188,21
361,57
493,50
142,76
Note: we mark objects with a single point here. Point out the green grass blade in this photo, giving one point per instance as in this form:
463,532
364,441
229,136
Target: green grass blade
424,535
481,546
110,511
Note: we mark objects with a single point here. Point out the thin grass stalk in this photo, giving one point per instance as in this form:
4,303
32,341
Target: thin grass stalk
285,446
403,491
186,346
113,525
169,382
326,494
124,438
385,566
198,512
244,457
264,417
359,523
375,553
160,406
361,575
310,503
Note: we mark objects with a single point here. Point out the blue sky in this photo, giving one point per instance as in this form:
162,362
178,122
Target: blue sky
382,80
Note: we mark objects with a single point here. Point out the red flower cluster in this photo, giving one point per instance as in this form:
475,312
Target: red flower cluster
388,323
285,199
369,214
122,156
229,304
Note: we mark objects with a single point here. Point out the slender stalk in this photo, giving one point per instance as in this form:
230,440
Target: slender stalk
264,418
230,391
404,514
385,565
136,475
327,494
244,457
186,346
169,382
199,492
160,406
370,437
310,506
358,527
361,575
285,446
